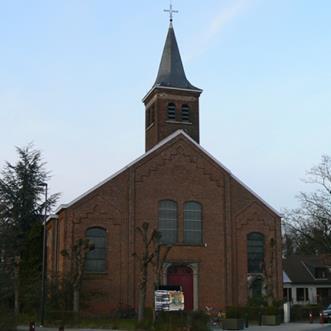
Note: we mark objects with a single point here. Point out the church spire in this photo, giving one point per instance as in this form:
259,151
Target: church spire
171,71
173,102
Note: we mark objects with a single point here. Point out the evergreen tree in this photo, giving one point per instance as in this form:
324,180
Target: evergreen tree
22,206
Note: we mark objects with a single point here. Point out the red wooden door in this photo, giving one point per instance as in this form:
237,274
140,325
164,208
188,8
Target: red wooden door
182,276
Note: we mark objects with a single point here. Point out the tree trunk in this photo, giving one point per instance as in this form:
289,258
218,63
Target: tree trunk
141,307
76,300
16,289
142,294
16,299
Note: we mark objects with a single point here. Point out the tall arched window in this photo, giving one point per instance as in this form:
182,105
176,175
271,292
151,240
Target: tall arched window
96,259
192,222
171,111
185,113
255,252
168,221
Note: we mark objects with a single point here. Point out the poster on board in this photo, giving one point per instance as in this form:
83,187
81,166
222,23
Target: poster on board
169,299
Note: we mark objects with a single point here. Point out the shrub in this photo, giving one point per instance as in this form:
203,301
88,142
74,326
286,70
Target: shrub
7,320
299,312
200,321
180,321
271,310
234,312
171,321
124,312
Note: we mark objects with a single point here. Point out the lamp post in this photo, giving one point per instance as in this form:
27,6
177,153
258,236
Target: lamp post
43,273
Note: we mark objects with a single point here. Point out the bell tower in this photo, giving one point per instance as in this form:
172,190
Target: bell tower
173,102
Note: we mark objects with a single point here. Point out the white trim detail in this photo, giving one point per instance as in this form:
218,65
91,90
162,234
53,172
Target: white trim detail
156,147
51,217
169,88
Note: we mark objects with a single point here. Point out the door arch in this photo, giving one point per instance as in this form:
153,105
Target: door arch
182,275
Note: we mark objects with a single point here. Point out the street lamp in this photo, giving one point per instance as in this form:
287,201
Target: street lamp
43,273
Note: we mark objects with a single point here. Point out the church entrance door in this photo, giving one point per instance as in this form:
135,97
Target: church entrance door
182,275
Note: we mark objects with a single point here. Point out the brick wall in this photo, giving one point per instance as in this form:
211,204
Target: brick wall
178,171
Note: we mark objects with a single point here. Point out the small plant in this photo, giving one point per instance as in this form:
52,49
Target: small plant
7,320
233,312
271,310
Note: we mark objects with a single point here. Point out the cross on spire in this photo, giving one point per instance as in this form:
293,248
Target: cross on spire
171,11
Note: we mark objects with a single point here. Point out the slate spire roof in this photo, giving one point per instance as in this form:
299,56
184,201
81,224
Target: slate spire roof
171,71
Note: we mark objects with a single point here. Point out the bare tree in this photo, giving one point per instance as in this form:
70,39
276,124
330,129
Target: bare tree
307,229
151,255
77,255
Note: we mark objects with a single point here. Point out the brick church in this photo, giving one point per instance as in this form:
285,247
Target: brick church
219,229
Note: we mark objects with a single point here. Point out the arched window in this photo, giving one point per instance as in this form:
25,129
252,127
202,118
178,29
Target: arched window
185,113
168,221
171,111
255,252
96,259
192,223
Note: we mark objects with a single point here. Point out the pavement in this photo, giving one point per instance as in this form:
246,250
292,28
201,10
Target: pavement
282,327
289,327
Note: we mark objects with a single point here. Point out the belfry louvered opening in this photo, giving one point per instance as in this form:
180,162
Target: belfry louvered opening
171,111
185,113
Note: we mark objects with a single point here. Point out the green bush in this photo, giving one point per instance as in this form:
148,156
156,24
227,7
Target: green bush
171,321
7,320
271,310
299,312
200,321
251,312
181,320
234,312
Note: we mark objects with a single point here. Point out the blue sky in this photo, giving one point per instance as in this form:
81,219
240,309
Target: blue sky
73,73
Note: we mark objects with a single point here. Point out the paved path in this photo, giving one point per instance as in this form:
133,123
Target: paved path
289,327
282,327
292,327
26,328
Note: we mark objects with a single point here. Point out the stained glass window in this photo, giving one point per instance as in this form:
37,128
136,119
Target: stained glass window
255,252
192,223
96,259
168,221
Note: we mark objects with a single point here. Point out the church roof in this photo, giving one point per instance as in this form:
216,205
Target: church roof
156,147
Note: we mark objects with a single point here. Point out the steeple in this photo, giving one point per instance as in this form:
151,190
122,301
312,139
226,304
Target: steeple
173,102
171,71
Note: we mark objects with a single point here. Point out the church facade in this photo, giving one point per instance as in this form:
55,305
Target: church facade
220,230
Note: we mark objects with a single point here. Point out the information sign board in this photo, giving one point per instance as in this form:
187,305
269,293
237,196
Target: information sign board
169,300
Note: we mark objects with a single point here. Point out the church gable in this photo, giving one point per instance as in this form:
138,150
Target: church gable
178,148
182,152
180,156
104,206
